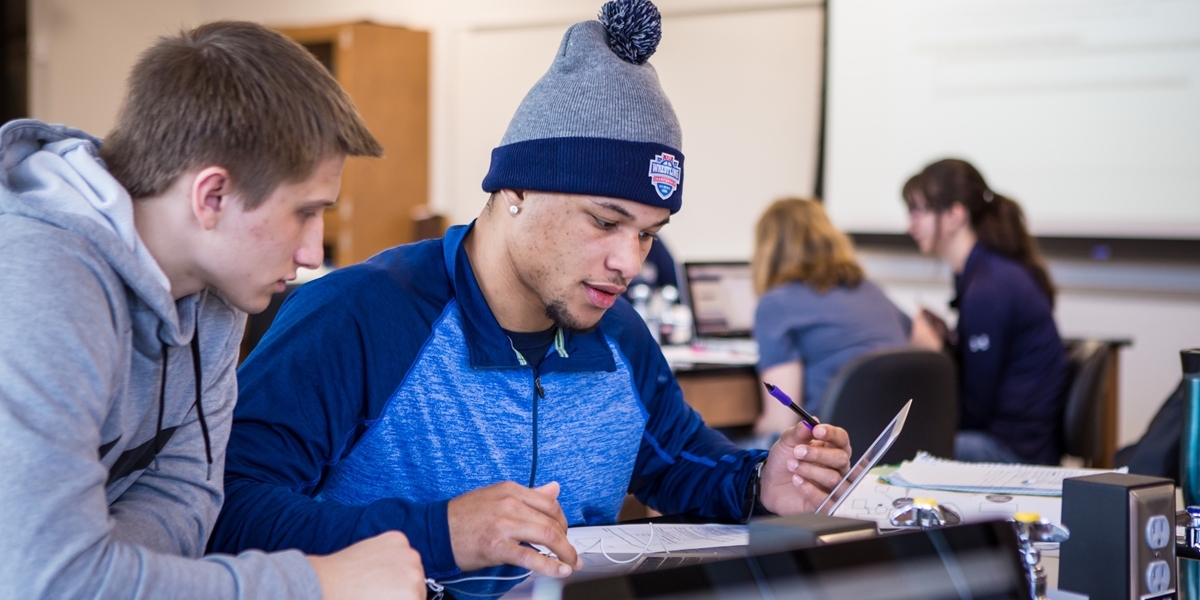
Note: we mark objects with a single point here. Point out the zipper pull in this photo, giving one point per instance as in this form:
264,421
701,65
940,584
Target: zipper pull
537,386
438,589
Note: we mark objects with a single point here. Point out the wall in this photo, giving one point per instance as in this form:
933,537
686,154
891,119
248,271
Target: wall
82,50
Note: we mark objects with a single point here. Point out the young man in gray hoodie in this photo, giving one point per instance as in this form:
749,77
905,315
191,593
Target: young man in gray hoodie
127,271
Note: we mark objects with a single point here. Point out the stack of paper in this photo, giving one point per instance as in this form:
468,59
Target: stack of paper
933,473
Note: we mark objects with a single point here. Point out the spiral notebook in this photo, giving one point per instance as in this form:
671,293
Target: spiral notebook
932,473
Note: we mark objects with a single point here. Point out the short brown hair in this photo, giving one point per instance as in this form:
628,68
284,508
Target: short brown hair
794,241
235,95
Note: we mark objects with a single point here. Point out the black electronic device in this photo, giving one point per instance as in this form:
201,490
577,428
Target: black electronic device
1122,542
722,298
773,534
979,561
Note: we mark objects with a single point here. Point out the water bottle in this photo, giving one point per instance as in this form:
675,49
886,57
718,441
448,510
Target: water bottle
1189,444
666,319
642,300
1189,463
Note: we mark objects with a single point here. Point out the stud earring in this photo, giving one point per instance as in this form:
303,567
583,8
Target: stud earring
513,210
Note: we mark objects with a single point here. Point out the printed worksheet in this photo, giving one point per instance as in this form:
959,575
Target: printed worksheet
933,473
645,537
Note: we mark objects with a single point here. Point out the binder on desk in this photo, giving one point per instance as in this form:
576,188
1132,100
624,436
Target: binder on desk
933,473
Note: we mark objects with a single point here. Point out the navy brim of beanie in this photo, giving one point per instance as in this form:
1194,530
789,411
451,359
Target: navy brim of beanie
643,172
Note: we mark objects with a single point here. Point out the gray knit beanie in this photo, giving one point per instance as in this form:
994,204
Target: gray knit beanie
598,122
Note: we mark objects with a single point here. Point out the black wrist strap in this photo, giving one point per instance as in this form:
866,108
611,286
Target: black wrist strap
753,502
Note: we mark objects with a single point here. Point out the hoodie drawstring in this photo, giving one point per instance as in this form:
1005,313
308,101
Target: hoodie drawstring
162,403
162,407
199,404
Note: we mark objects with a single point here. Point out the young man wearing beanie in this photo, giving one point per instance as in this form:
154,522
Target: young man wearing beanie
490,389
128,266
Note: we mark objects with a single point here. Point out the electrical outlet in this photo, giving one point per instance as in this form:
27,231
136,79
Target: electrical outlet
1158,532
1158,577
1151,540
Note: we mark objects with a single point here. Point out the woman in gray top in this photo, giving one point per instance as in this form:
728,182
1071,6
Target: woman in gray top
816,312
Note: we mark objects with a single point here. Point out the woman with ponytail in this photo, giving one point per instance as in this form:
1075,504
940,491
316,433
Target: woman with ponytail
1013,367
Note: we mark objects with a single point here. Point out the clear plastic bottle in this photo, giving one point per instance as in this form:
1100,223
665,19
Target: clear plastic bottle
641,294
666,316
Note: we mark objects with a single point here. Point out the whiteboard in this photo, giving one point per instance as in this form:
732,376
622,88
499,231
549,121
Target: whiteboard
1087,112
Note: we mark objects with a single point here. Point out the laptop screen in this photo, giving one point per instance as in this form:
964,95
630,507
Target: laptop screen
979,561
722,297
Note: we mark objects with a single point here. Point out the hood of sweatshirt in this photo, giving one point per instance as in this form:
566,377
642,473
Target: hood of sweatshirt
97,376
54,174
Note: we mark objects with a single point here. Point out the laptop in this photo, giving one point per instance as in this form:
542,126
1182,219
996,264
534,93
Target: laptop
722,299
979,561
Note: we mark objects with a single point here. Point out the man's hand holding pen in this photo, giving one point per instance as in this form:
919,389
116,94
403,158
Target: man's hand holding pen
493,525
802,467
805,464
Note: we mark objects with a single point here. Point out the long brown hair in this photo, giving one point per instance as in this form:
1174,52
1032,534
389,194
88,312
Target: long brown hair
794,241
998,222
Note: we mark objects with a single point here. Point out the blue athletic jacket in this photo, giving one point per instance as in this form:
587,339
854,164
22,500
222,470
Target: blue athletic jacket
385,389
1014,365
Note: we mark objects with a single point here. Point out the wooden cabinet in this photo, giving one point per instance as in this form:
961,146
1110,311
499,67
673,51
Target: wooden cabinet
724,396
386,72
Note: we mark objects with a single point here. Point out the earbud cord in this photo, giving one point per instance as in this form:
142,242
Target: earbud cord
438,587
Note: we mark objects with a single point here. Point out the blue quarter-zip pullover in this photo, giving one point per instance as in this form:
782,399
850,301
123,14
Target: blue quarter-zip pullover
385,389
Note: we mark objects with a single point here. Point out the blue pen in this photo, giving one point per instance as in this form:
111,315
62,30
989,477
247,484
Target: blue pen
808,420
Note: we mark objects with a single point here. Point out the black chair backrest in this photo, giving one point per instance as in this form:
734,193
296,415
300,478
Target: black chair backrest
258,324
864,396
1083,415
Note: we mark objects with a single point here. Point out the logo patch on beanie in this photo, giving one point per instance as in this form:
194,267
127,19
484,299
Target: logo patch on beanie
665,173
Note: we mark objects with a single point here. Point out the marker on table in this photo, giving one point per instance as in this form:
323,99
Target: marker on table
808,420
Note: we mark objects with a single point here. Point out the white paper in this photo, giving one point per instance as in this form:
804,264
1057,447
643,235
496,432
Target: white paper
634,539
930,472
686,356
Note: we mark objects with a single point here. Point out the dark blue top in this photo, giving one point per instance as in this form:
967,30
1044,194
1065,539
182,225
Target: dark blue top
387,388
825,330
532,345
1012,360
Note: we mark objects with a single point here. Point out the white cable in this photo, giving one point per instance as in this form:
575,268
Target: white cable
639,554
434,586
438,587
481,578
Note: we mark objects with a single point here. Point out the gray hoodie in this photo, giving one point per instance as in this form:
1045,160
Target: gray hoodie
88,329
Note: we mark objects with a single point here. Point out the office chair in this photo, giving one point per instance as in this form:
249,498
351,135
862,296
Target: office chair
1083,415
864,396
258,324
